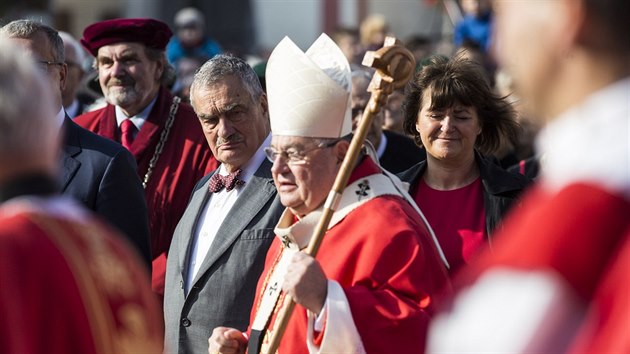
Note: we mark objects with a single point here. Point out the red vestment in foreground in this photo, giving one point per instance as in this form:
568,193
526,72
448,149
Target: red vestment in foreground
185,159
582,235
69,285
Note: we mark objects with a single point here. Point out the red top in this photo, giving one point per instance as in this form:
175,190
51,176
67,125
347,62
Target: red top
458,219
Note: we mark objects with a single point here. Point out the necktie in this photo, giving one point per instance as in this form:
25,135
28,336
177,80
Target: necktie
127,132
218,181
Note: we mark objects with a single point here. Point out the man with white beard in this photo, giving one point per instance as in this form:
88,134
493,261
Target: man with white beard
163,134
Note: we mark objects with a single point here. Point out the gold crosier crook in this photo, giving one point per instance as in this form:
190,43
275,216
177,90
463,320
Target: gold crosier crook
394,66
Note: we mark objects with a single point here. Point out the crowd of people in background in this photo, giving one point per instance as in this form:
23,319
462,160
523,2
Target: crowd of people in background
161,193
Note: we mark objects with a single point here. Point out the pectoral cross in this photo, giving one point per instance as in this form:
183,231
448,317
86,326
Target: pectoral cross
363,188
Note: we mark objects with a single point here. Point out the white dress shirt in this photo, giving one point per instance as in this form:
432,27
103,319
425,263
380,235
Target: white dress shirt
214,212
137,120
60,117
73,108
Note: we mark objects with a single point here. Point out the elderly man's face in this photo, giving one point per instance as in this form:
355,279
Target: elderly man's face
303,186
234,122
128,78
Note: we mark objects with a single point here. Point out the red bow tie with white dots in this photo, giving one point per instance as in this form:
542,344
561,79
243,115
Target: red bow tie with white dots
229,182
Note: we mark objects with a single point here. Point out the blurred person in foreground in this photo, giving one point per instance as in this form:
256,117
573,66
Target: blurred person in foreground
223,237
69,282
378,271
453,113
395,152
161,132
557,280
95,171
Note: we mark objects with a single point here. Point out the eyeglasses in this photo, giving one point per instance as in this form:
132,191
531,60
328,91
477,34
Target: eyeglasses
295,157
43,65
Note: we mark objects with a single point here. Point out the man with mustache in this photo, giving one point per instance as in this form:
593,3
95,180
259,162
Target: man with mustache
161,132
219,246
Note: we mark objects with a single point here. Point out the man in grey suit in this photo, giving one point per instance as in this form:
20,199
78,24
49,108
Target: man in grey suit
95,171
219,246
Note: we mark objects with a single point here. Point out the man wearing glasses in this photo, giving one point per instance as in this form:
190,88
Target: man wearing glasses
219,246
99,173
377,274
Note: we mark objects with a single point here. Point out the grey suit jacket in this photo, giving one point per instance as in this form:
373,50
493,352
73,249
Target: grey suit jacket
223,290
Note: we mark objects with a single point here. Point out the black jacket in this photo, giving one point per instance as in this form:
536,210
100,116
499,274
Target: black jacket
500,188
400,153
101,174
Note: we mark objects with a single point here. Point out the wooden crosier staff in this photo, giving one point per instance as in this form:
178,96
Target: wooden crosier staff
394,66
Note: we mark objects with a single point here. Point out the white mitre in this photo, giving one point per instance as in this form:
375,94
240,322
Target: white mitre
309,93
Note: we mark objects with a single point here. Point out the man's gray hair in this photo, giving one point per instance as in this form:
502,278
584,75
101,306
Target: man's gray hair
28,28
24,126
78,49
223,65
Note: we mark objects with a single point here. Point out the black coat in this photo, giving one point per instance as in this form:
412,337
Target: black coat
400,153
101,174
500,188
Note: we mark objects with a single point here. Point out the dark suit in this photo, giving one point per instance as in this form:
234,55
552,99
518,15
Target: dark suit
102,175
223,290
400,153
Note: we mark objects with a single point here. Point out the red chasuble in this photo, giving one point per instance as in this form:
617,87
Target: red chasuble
185,159
580,237
383,257
71,286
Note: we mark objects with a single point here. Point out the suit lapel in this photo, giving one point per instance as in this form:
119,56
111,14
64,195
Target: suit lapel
252,199
72,147
196,206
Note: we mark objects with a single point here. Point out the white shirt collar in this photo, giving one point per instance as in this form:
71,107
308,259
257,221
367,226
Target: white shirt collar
590,142
73,108
61,115
381,146
139,119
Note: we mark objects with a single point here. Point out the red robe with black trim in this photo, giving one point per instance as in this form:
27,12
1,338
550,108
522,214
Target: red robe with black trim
185,159
390,271
71,285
